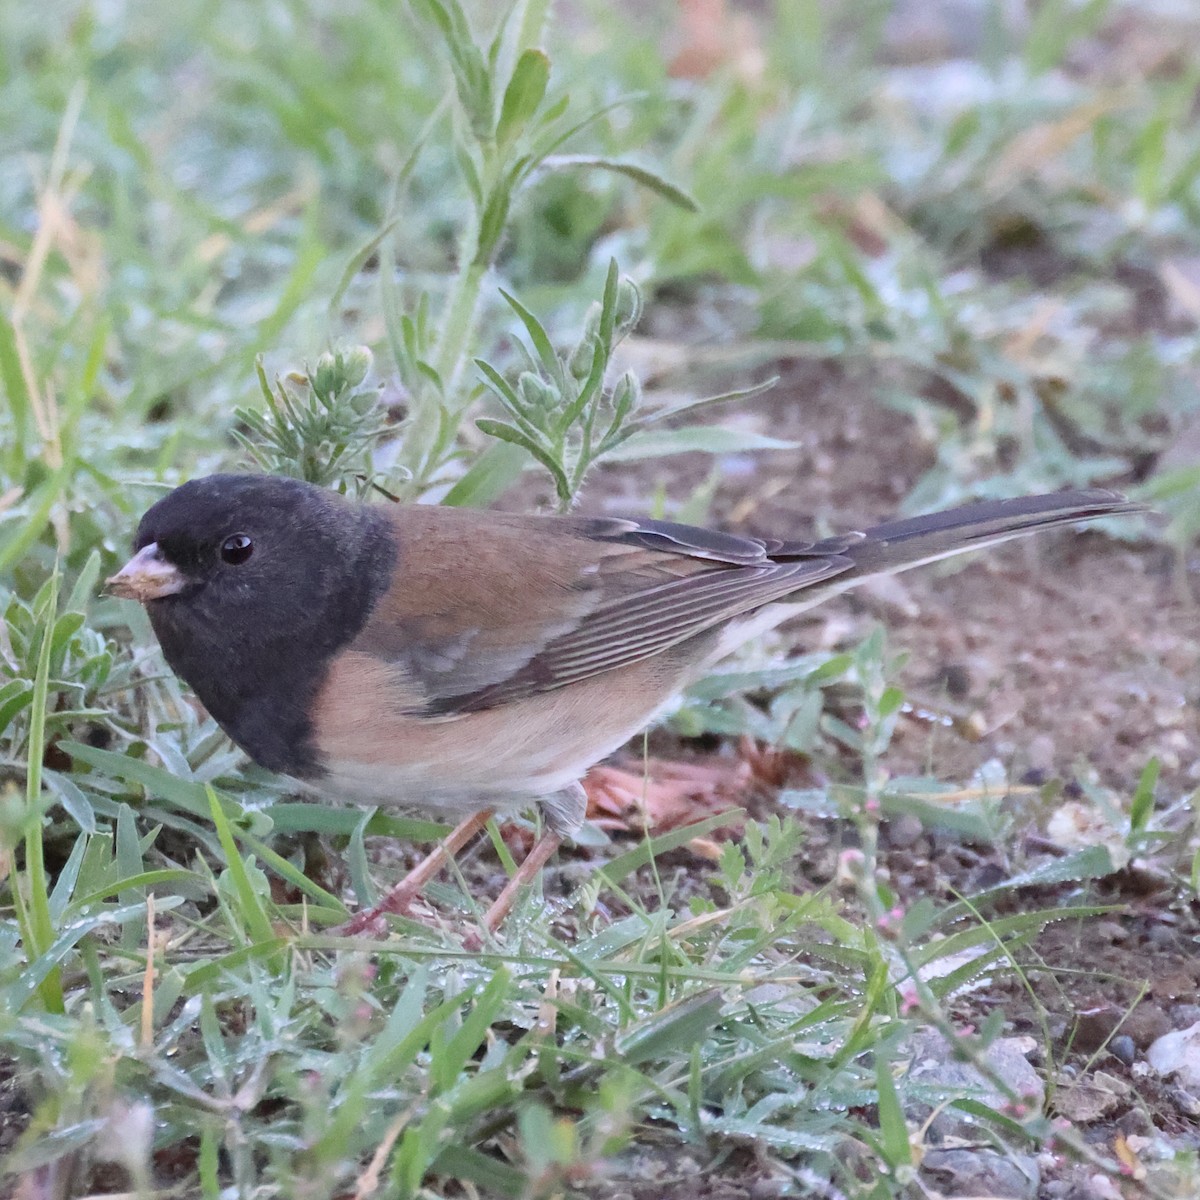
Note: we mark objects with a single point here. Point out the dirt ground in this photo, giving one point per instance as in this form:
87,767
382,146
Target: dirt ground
1071,657
1068,648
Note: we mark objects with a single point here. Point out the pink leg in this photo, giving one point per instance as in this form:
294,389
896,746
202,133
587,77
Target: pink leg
564,812
535,860
409,888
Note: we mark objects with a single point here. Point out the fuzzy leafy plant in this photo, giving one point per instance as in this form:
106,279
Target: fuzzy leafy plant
561,411
326,425
506,126
318,426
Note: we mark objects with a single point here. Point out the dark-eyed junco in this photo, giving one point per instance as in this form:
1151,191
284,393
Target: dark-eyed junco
457,660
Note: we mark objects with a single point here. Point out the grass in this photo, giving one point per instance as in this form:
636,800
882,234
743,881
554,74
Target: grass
393,245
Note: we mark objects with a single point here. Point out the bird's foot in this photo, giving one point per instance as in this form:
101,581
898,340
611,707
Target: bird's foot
564,812
399,900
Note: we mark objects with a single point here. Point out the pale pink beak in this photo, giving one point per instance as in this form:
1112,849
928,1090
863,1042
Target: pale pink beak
146,576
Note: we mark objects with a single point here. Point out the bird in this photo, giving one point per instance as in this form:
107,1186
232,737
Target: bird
465,662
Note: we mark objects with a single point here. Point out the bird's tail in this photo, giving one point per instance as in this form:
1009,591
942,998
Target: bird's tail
896,546
899,545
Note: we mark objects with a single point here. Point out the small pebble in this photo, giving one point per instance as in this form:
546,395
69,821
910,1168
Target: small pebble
1147,1023
1040,753
955,679
766,1189
1123,1049
1187,1104
904,830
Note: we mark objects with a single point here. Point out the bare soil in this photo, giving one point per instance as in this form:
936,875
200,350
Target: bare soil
1069,658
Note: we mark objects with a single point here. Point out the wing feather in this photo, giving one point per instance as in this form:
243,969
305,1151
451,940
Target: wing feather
644,623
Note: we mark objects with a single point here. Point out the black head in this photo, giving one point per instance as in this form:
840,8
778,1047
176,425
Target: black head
252,583
248,541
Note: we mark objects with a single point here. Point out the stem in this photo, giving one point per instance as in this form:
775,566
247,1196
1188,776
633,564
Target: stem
37,930
458,323
461,314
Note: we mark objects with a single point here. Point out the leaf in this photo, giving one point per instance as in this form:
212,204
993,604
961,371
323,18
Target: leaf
39,970
639,174
491,474
436,13
206,971
623,864
472,82
13,379
68,877
35,922
675,410
249,901
677,1027
494,1176
15,695
553,138
65,628
492,222
537,334
184,793
448,1065
791,1142
608,308
571,413
143,879
944,978
707,439
360,872
1143,798
301,882
85,586
810,800
524,93
896,1148
1093,863
970,822
509,433
73,800
988,933
50,1146
301,817
359,259
26,532
500,386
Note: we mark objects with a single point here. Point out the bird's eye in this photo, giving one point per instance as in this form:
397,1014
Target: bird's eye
236,548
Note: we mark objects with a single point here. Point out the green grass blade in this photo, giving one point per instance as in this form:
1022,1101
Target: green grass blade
251,907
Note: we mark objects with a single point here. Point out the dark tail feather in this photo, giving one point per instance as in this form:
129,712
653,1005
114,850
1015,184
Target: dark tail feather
898,545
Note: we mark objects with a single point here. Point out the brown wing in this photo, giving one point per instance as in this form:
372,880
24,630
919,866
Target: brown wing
490,608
